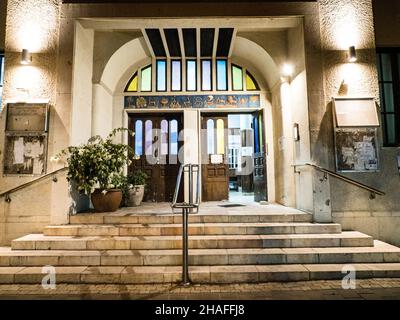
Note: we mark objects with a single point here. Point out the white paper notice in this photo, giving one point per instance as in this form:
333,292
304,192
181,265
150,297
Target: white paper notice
37,166
19,151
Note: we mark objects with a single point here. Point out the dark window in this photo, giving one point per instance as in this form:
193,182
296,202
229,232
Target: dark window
161,75
189,40
224,41
156,42
206,42
172,37
388,62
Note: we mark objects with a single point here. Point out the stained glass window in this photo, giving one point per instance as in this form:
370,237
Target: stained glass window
206,75
148,137
138,138
161,75
132,85
146,79
222,76
173,137
176,75
251,83
191,75
237,78
210,137
256,135
164,137
220,137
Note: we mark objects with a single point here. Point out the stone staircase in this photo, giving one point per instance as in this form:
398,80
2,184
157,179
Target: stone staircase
224,248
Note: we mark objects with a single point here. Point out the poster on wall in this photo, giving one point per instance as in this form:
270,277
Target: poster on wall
356,150
25,153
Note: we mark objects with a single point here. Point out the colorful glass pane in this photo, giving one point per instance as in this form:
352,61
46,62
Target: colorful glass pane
164,137
146,79
222,75
237,78
250,82
210,137
176,75
220,137
138,138
191,75
161,75
148,137
206,75
173,137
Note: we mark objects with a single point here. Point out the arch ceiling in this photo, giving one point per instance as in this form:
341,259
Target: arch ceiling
133,54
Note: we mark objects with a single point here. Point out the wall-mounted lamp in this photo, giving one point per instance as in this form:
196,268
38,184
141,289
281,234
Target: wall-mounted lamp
287,70
26,57
352,55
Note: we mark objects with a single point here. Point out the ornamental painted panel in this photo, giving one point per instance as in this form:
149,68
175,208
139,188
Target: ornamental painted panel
192,101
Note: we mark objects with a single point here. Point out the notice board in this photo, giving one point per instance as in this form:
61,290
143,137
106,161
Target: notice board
356,150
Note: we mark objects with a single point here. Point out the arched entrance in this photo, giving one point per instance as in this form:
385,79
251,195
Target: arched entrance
115,102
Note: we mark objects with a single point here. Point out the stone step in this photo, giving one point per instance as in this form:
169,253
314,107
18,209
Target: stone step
379,253
198,274
41,242
118,218
194,229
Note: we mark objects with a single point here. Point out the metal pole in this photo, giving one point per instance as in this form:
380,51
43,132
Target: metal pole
185,254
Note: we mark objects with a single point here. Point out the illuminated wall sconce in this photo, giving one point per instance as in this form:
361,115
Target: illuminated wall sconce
287,70
296,132
26,57
352,55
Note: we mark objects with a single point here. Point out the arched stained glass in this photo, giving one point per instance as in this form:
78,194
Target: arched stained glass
237,78
220,137
222,75
164,137
251,83
210,137
132,85
173,137
139,138
161,75
148,137
146,79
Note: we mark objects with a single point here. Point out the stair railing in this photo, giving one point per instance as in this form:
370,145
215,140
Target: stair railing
194,202
373,191
6,194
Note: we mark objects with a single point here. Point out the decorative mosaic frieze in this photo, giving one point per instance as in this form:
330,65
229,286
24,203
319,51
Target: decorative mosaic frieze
193,101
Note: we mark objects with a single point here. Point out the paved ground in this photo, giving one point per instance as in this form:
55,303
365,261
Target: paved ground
311,290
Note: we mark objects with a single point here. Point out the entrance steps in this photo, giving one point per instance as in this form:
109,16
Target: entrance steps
225,247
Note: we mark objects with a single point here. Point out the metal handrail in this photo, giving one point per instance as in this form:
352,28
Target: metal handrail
373,190
27,184
186,206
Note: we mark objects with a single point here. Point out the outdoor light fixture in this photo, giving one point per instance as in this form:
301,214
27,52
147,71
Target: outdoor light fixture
26,57
287,70
352,54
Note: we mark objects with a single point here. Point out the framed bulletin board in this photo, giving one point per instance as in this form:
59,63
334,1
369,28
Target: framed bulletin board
32,117
25,153
25,146
355,112
356,150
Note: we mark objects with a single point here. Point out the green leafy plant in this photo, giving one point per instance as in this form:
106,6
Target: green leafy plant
137,177
99,163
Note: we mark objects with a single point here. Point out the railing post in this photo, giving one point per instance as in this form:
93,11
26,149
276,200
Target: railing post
185,249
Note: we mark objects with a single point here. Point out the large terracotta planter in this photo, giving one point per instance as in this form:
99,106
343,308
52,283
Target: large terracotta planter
106,202
135,197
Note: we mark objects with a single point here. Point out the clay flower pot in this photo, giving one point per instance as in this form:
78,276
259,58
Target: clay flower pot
106,202
135,197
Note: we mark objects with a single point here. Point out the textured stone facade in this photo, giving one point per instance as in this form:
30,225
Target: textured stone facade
46,28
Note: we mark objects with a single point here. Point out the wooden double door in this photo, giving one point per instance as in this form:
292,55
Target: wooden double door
156,145
215,157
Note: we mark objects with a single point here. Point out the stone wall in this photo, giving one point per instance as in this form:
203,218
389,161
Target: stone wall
3,10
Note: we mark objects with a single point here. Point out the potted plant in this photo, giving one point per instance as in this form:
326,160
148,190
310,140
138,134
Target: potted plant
96,167
136,181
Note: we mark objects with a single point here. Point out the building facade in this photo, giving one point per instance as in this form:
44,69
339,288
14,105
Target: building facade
259,83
